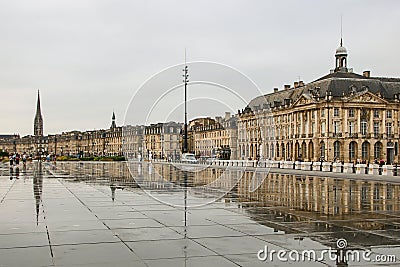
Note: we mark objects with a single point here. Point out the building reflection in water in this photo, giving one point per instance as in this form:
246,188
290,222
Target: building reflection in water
290,203
328,196
321,195
38,188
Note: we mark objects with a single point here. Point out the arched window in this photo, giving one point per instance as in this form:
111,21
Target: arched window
277,150
378,150
311,150
322,149
336,150
272,154
352,150
365,150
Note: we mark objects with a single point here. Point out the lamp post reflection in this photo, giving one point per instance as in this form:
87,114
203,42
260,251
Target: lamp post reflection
185,184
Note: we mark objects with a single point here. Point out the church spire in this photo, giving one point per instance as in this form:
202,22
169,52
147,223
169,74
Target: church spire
38,111
38,122
113,124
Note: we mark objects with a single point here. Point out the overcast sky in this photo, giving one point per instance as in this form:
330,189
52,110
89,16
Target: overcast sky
88,58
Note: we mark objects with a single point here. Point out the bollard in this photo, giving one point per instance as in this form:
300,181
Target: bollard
387,170
298,165
348,168
337,167
326,166
373,169
317,165
360,168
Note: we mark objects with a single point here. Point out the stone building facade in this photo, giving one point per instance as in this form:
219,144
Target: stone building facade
215,137
341,116
163,141
133,141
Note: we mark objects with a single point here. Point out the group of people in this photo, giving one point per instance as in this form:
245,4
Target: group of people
14,164
16,158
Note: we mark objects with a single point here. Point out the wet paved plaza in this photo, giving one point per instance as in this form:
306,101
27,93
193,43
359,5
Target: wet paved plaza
95,214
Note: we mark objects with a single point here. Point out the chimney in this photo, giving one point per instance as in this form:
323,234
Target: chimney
286,86
301,83
227,115
275,90
367,73
296,84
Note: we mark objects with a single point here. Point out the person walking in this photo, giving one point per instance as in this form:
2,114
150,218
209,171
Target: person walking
24,160
17,159
11,161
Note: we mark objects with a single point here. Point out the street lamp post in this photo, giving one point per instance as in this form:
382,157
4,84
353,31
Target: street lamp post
93,143
105,149
55,146
185,81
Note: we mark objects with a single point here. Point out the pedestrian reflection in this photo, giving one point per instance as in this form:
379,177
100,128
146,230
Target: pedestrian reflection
14,172
114,188
11,172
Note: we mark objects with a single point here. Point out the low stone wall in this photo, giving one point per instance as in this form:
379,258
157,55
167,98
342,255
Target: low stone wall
336,167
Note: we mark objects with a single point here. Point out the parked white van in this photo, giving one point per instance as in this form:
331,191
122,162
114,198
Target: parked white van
189,158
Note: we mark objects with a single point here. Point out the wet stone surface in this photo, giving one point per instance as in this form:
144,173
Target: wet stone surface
94,214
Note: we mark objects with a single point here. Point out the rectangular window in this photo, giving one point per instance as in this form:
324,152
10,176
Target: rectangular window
351,112
322,112
389,114
336,128
351,127
323,128
388,128
336,112
363,127
376,113
376,128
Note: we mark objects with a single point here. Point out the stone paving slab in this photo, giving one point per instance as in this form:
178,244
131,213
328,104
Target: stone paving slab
30,256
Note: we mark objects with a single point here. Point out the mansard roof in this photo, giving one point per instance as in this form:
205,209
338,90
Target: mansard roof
340,74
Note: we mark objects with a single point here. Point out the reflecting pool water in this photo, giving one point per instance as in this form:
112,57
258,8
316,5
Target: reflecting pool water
161,214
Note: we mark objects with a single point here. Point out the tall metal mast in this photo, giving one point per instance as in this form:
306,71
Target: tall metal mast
185,81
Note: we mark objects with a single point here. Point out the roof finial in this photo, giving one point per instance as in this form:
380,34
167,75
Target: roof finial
341,30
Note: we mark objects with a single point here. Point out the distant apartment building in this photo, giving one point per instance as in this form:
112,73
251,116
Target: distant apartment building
214,137
163,140
133,141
